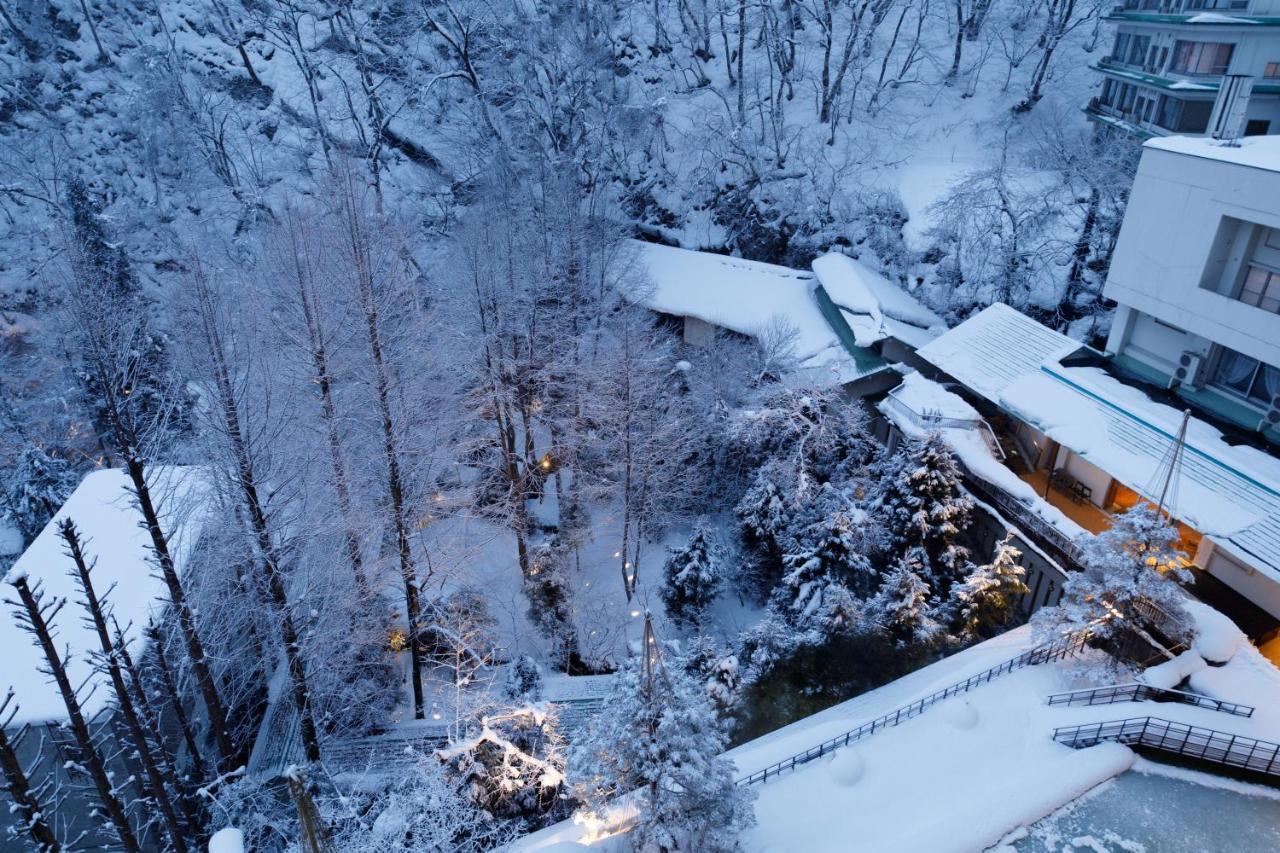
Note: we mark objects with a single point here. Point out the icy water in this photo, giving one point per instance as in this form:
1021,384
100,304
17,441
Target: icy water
1151,813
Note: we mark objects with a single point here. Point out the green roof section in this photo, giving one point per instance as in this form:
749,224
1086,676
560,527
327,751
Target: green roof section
1174,84
867,361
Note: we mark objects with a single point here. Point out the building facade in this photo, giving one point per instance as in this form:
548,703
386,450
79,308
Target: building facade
1196,279
1169,59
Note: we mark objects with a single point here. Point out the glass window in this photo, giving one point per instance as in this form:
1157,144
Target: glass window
1121,49
1272,240
1247,377
1272,70
1196,57
1262,289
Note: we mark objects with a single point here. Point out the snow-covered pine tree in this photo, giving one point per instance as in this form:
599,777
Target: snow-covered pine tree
658,736
763,513
524,680
35,488
720,671
902,607
988,598
926,507
1134,563
692,577
550,606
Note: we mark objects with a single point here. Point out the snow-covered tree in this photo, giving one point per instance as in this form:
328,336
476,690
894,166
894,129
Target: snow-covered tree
524,680
925,507
659,738
514,765
35,489
902,608
1134,563
763,513
988,598
692,576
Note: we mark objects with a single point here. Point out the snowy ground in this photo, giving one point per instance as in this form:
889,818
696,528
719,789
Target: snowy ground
970,771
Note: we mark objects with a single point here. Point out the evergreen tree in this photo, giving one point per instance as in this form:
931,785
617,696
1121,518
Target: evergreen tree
691,577
763,514
1136,562
926,507
547,588
658,735
36,488
902,607
988,599
524,680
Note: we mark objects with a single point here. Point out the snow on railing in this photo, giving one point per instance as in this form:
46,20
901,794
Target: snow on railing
1135,692
1223,748
1057,650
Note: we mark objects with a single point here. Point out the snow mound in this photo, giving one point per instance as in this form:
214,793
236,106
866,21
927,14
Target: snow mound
1217,637
847,768
1170,674
962,715
229,840
862,290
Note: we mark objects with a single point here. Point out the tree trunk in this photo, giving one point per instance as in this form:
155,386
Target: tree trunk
175,701
124,700
36,619
248,484
31,814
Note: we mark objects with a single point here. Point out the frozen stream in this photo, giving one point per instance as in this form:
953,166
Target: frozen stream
1145,812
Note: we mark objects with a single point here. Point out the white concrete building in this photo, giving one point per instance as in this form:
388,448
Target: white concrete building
1196,275
1168,61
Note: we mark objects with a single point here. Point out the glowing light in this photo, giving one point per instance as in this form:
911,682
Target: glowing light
635,613
397,640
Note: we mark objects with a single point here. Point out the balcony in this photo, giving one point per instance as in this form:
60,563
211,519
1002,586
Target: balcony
1181,7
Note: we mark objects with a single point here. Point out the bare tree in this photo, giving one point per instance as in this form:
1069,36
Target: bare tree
35,615
33,815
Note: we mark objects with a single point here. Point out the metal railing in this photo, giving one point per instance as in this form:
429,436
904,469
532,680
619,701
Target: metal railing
1048,537
1145,692
1223,748
1041,654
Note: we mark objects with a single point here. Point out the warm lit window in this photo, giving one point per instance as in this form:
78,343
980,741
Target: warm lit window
1247,377
1197,57
1272,71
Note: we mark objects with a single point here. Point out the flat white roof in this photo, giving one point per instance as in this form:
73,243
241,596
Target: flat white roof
1230,493
1257,152
112,533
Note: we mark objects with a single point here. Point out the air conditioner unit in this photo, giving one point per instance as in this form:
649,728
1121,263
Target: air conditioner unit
1189,369
1271,420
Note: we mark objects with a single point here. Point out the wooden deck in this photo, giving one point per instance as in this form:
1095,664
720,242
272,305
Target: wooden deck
1085,514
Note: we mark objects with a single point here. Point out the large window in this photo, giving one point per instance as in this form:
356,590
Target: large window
1201,57
1272,71
1247,377
1261,289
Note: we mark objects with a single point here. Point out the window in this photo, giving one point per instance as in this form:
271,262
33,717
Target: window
1272,71
1121,49
1197,57
1247,377
1257,127
1138,50
1261,289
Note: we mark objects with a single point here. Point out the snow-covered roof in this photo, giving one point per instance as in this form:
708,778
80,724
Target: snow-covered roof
746,297
874,307
736,294
1258,152
1230,493
995,346
110,525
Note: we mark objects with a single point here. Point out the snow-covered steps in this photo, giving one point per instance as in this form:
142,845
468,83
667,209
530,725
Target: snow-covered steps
1135,692
1215,747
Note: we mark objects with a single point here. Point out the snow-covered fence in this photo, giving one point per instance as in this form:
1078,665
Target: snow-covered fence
1135,692
1217,747
1060,546
1057,650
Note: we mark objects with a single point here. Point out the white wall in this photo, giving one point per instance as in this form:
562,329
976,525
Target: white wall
1177,205
1254,585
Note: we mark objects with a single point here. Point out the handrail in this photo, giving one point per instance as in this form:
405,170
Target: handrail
1223,748
1136,692
1056,650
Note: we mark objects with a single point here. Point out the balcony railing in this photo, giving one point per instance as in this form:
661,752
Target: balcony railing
1146,693
1224,748
1182,7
